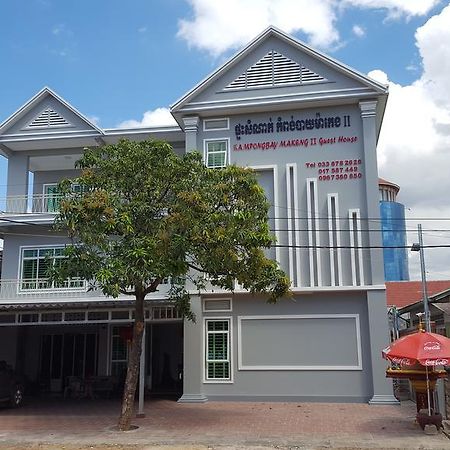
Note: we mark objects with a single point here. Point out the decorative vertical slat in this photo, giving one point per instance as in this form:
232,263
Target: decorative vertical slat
313,232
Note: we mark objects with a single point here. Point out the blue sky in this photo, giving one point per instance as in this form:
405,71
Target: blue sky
116,59
119,61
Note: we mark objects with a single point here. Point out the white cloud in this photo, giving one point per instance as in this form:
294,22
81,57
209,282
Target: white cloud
94,119
157,117
397,8
415,139
221,25
142,30
358,31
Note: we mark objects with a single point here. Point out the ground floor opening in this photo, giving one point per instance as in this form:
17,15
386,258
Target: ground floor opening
76,360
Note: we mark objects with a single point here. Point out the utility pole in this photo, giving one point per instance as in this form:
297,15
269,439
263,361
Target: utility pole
419,247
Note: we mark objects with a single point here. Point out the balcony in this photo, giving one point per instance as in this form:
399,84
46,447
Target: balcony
30,204
41,291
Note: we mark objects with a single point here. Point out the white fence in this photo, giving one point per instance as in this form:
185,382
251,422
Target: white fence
35,290
39,203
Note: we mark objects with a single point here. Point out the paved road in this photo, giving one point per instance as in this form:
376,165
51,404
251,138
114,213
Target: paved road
86,424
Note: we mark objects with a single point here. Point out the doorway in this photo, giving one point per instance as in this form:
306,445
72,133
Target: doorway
165,354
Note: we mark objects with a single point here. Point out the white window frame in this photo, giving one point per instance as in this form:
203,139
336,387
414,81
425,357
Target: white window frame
46,197
227,151
205,361
216,129
20,278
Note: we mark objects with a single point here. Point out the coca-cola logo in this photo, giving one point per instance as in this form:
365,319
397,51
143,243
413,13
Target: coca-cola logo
437,362
432,345
402,361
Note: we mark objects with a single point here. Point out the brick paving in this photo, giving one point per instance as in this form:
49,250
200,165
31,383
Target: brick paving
218,424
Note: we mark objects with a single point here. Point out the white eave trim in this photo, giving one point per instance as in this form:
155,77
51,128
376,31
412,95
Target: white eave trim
298,290
304,98
141,130
346,70
48,137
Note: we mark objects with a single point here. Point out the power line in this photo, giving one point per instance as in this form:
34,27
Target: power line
20,222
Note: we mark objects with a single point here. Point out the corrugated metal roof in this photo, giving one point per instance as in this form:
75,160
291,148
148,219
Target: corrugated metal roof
404,293
15,307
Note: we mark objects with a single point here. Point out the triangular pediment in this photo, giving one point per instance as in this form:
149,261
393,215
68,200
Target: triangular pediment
46,114
275,69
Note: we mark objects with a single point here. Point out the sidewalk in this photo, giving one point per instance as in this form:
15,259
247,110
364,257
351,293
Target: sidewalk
82,423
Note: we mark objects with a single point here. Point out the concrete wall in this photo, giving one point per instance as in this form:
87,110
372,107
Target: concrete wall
335,160
301,342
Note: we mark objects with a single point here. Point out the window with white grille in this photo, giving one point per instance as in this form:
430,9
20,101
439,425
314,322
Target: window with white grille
216,153
218,365
35,265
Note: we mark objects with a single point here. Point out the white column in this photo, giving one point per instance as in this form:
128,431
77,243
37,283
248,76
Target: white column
193,356
368,115
376,300
17,182
190,130
140,412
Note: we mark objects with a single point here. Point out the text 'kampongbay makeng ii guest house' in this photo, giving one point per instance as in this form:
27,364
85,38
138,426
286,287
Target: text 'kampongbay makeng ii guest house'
309,126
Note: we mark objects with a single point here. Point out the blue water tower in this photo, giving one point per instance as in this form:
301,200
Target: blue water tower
393,228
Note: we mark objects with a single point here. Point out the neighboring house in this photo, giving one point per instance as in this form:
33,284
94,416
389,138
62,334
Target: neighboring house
405,300
309,127
404,293
407,297
393,228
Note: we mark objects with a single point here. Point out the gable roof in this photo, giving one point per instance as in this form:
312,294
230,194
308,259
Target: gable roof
405,293
266,34
49,115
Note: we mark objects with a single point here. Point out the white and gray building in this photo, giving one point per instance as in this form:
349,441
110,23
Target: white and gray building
309,126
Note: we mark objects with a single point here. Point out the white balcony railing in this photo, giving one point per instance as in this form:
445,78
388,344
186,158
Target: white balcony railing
35,290
22,204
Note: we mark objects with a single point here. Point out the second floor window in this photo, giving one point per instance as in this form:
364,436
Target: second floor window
216,154
35,264
52,196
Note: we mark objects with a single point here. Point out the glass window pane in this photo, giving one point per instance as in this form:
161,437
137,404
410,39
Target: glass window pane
30,253
29,269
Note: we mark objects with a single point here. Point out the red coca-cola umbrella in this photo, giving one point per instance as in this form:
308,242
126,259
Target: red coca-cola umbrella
423,347
428,349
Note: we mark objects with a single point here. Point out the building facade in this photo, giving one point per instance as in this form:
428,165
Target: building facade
393,229
308,125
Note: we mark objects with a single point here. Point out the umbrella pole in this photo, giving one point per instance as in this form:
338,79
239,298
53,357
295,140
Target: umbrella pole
428,391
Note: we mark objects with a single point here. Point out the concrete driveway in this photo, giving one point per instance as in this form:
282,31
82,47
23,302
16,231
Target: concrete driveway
85,423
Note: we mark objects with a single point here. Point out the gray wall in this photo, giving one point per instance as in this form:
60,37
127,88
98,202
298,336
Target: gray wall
351,192
315,342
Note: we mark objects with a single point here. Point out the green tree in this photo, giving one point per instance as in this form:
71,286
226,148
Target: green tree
143,214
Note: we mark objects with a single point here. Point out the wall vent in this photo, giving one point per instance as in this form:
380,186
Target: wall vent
47,119
216,305
274,69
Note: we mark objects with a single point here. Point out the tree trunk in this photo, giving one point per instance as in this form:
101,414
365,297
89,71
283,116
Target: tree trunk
129,390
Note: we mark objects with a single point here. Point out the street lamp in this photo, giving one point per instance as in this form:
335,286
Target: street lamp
419,248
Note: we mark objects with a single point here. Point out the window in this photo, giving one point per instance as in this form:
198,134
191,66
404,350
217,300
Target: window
216,124
218,350
52,196
35,265
119,353
216,154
